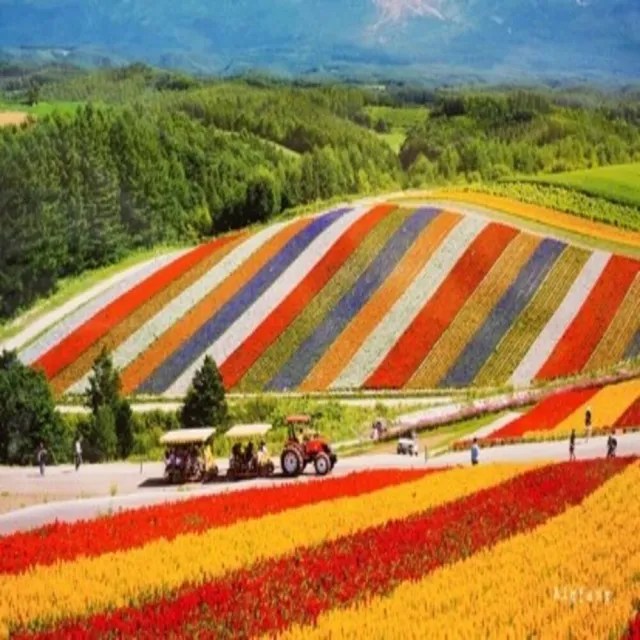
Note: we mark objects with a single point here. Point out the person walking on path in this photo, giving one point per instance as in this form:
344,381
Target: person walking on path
42,457
475,452
78,453
572,445
587,423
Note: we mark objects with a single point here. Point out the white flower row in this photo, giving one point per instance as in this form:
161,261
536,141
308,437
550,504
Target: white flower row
402,314
550,336
251,319
45,322
76,319
148,333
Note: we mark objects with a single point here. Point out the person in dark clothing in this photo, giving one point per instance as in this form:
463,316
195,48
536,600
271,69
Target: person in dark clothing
572,445
612,445
587,423
42,458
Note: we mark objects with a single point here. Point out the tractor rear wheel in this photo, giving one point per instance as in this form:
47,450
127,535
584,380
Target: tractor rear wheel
291,462
322,463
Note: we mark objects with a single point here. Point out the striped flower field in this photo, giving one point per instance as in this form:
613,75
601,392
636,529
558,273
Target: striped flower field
613,407
381,554
372,297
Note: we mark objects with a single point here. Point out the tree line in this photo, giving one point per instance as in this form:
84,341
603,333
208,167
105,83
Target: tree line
485,137
80,191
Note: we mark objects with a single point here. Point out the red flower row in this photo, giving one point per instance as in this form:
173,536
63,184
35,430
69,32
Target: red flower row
439,312
633,633
65,542
76,343
579,341
239,362
631,417
548,414
276,594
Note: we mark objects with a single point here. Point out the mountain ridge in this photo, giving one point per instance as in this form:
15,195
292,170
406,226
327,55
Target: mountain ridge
535,37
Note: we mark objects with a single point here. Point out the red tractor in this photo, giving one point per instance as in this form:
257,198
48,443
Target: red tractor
305,448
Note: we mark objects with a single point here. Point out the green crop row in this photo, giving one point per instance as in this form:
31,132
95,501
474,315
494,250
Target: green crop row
568,200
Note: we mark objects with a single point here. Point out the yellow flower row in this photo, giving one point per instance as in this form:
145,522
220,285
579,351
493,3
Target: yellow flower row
88,585
607,406
551,217
575,576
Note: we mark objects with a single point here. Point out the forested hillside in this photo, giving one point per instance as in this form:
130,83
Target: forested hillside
134,157
487,136
80,191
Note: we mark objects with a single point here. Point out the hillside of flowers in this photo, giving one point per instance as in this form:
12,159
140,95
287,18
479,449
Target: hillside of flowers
371,554
363,297
614,407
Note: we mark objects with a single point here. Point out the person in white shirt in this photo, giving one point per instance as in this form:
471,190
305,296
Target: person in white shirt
78,453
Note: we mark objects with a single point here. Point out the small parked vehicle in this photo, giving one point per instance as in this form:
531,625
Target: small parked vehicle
408,445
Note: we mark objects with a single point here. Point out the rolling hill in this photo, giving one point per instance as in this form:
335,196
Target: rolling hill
360,297
618,183
503,38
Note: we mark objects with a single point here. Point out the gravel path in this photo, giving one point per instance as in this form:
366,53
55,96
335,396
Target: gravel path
138,486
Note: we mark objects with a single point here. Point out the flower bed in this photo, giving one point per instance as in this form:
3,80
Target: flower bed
237,364
517,342
380,342
329,367
440,310
273,358
580,340
474,313
342,557
349,305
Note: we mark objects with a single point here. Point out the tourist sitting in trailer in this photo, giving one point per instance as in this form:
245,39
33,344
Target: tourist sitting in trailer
236,453
249,456
263,453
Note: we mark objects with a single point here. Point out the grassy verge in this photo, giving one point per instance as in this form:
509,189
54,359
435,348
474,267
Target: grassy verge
440,437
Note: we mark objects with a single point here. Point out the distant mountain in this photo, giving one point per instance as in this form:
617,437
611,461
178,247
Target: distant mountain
506,38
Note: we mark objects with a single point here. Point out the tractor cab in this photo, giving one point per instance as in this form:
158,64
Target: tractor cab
305,446
188,456
249,456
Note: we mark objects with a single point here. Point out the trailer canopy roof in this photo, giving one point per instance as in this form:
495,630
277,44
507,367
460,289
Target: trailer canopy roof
246,430
188,436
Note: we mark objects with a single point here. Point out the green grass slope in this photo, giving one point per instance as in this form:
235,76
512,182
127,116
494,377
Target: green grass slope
618,183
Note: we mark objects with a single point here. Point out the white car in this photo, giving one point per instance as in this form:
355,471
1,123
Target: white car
408,446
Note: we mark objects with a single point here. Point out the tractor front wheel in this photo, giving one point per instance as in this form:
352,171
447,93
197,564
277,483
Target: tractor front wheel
291,463
322,463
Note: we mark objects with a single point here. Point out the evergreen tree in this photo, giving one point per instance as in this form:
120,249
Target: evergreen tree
27,414
205,404
111,426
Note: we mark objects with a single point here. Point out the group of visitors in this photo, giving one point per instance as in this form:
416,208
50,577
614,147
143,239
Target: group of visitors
41,455
249,457
612,442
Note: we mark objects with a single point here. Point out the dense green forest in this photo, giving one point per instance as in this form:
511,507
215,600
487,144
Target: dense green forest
135,157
